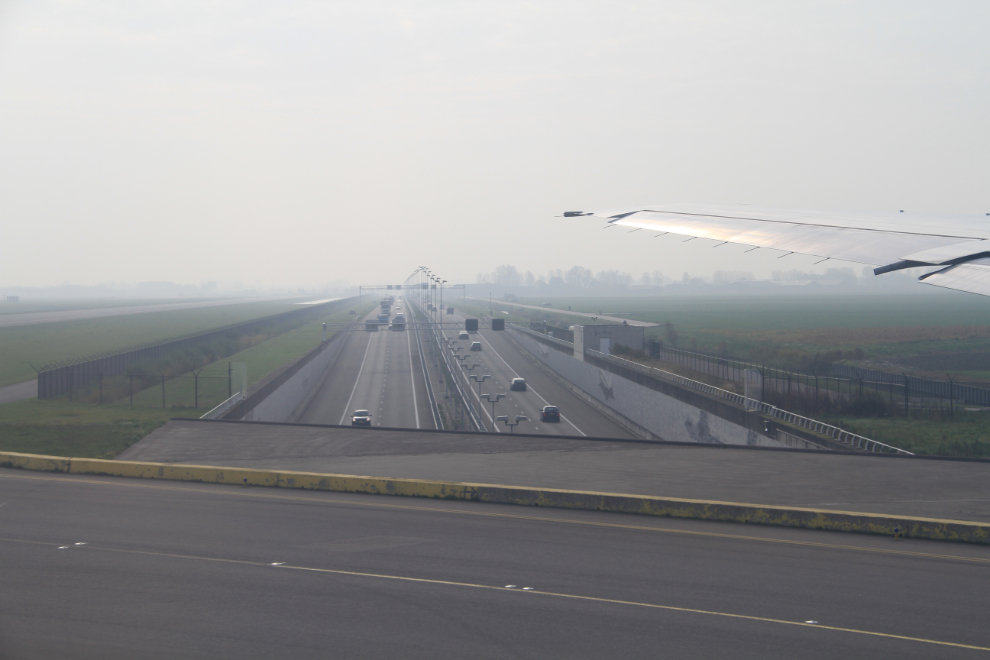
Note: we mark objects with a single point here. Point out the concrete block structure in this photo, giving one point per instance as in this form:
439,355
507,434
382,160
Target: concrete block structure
603,337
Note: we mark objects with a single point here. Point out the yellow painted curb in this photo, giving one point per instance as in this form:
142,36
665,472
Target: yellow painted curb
779,516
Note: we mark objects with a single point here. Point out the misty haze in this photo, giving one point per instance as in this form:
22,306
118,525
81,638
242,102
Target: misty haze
494,329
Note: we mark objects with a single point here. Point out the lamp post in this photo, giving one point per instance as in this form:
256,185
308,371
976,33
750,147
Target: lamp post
492,401
479,379
443,309
505,420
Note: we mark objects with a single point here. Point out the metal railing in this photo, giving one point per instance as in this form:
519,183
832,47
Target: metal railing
437,419
845,437
218,412
436,330
833,379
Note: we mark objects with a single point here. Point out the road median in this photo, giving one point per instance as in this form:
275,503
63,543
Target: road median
777,516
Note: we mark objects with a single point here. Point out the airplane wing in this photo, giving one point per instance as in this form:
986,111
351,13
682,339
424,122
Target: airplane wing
959,244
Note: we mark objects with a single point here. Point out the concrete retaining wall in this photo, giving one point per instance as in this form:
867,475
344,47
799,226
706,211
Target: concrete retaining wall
283,398
663,416
845,521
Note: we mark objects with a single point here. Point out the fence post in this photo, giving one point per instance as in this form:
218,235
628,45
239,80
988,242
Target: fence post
196,386
952,407
130,378
907,394
101,388
162,372
229,382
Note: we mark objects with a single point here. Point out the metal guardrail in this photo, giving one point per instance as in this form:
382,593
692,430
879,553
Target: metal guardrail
845,437
466,399
437,419
218,412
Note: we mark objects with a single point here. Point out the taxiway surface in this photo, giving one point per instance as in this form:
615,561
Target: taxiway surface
125,568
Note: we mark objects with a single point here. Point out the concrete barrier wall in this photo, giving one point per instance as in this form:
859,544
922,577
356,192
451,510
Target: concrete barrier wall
845,521
283,400
663,416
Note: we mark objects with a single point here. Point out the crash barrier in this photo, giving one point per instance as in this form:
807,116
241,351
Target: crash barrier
63,377
219,411
667,417
778,516
845,437
434,407
456,373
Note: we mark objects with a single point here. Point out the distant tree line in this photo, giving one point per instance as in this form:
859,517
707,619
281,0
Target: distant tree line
576,277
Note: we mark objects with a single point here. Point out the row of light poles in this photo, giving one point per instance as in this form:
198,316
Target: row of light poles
434,280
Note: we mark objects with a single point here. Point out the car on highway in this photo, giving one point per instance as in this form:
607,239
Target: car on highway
463,334
361,418
549,414
518,384
476,346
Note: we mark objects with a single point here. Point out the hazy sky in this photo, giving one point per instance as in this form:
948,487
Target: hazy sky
294,143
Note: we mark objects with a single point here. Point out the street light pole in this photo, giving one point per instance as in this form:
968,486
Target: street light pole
493,401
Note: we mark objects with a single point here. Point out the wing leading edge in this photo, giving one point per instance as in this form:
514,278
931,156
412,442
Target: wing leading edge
890,241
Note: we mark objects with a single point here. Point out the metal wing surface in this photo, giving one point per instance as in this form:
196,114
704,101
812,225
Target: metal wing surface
892,241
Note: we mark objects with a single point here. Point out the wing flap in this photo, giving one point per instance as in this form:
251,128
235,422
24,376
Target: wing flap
972,277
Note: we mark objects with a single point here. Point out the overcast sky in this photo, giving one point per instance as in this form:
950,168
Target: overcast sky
295,143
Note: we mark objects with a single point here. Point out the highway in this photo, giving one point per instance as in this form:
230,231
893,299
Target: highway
105,567
501,359
382,372
377,371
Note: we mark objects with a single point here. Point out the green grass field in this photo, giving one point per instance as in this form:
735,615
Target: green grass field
69,304
788,330
45,343
261,360
60,427
63,428
967,434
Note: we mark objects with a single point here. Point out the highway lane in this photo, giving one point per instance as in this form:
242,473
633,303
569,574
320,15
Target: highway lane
376,371
124,568
503,361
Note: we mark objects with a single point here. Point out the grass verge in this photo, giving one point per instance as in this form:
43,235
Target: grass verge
59,427
65,428
966,434
46,343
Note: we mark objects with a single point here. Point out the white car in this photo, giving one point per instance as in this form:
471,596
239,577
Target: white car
463,334
361,418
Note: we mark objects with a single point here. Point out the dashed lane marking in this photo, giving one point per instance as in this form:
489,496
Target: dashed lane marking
512,589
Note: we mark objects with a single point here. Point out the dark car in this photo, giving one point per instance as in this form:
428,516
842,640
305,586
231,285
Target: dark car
518,384
476,346
361,418
549,414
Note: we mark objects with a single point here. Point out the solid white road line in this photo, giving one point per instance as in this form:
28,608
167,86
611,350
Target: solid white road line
412,378
356,381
